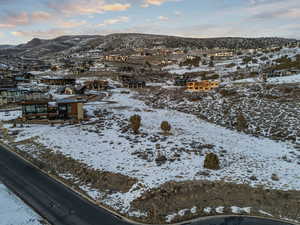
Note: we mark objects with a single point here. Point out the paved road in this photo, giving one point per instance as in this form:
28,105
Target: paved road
61,206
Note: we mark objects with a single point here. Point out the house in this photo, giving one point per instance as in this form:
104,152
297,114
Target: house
190,57
38,109
280,73
96,85
16,95
221,54
70,109
181,81
204,85
69,91
166,62
63,109
7,83
58,81
116,58
125,78
134,84
131,82
11,95
23,77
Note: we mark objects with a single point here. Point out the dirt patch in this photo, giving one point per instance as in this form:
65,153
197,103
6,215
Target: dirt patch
57,163
172,196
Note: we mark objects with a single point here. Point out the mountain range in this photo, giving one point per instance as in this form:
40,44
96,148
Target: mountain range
106,43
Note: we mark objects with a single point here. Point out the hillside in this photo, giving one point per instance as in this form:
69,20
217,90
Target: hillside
5,46
65,44
41,47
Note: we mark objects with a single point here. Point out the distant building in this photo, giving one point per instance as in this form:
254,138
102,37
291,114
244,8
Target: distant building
221,55
23,77
69,91
181,81
8,83
64,109
204,85
134,84
282,73
131,82
116,58
15,95
11,95
58,81
96,85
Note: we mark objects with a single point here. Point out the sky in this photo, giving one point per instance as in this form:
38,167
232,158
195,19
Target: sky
22,20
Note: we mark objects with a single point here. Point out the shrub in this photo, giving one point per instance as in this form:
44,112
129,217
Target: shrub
274,177
214,76
160,159
230,65
246,60
165,126
241,122
264,58
211,162
227,92
135,123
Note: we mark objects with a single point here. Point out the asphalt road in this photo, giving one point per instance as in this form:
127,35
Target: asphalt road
61,206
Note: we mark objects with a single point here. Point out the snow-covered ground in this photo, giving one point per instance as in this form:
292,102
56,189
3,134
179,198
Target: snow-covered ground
243,157
260,60
10,115
14,212
184,69
273,80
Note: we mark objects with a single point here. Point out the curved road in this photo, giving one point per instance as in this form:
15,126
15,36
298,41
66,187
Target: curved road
61,206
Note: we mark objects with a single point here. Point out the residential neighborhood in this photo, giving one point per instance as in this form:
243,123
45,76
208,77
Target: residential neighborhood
149,112
152,126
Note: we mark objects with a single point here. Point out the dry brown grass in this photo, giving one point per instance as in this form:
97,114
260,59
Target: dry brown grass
174,196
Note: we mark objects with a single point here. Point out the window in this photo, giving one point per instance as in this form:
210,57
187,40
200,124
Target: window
30,109
41,108
62,108
65,108
69,108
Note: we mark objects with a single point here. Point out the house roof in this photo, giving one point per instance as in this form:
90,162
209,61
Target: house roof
11,89
67,101
33,102
57,78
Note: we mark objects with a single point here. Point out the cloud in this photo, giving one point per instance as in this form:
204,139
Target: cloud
279,14
148,3
17,33
41,34
12,20
163,18
71,24
116,7
177,13
122,19
273,9
40,16
87,7
6,25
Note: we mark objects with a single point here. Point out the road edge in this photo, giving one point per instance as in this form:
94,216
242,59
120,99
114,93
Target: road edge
116,214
